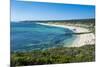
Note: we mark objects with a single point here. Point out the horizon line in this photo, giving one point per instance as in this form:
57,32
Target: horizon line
52,20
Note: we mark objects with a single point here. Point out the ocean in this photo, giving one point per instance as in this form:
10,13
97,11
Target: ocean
33,36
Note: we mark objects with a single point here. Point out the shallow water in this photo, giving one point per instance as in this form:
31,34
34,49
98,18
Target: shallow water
32,36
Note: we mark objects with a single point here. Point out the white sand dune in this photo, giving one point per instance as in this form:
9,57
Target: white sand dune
83,39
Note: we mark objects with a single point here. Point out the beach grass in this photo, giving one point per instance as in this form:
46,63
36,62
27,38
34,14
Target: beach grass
54,56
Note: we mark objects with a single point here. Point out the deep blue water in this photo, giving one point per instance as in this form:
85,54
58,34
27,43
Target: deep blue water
32,36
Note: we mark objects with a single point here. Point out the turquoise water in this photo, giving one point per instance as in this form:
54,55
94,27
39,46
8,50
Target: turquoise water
32,36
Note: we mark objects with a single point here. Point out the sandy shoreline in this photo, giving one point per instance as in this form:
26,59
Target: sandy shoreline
83,39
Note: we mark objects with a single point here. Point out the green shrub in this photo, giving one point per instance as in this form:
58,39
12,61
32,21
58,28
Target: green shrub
54,56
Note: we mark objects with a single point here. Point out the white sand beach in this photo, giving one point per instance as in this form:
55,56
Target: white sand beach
83,39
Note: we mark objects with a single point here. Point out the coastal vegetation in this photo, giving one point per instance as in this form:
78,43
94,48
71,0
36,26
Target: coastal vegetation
54,56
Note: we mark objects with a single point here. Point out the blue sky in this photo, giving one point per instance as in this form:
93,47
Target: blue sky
21,10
